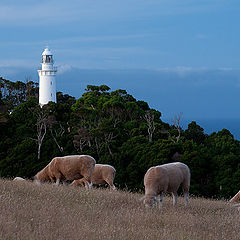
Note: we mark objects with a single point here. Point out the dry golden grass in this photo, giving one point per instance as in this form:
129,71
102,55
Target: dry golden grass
29,211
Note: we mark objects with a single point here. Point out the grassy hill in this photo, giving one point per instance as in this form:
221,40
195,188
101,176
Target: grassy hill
29,211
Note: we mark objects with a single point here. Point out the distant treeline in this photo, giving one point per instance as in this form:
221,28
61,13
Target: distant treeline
114,128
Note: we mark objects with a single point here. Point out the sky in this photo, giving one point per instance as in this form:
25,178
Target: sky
179,56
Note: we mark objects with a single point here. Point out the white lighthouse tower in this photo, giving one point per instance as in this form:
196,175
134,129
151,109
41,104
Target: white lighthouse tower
47,81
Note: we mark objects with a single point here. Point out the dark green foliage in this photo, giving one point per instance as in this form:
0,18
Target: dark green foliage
195,133
116,129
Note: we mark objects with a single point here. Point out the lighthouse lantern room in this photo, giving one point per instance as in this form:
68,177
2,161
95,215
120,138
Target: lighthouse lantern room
47,81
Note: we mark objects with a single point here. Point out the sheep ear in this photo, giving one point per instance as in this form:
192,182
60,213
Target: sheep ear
142,198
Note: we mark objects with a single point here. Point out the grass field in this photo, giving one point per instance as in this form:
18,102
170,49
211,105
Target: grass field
29,211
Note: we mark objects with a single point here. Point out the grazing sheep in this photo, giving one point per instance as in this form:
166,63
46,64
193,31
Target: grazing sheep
18,179
68,168
103,173
166,178
236,200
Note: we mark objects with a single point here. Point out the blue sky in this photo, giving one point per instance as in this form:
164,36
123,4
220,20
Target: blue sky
179,56
153,34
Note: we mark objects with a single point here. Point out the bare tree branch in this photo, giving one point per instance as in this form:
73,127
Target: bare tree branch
81,139
41,128
149,118
176,123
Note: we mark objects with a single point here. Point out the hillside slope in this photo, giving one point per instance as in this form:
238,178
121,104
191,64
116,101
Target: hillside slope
29,211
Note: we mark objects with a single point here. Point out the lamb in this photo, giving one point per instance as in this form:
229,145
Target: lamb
236,200
103,173
68,168
166,178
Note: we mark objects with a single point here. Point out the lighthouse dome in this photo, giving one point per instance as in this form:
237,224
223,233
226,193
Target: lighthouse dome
46,52
47,57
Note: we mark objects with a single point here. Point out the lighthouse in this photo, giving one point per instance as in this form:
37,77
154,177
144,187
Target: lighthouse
47,81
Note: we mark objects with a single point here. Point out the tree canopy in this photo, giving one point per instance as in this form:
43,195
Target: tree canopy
114,128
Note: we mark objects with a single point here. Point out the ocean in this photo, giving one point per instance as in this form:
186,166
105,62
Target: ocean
214,125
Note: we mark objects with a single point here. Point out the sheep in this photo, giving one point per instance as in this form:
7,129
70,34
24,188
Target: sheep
103,173
68,168
166,178
236,200
18,179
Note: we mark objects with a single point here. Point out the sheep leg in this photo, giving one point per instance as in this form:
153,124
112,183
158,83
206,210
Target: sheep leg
65,183
186,195
81,182
160,200
52,180
111,185
175,198
89,185
86,183
78,182
57,182
58,176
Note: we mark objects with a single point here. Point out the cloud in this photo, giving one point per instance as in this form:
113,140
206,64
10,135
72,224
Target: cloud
99,38
199,77
201,36
57,12
41,13
84,12
226,69
6,63
64,68
74,40
182,70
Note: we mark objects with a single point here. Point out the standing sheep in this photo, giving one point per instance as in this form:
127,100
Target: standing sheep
68,168
166,178
103,173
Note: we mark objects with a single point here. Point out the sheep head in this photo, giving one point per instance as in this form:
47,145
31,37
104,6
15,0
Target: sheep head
150,201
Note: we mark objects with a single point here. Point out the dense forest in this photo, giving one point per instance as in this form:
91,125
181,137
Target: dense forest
114,128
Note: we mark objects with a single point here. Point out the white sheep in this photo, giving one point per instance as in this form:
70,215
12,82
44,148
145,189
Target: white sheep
103,173
68,168
236,200
18,179
165,178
